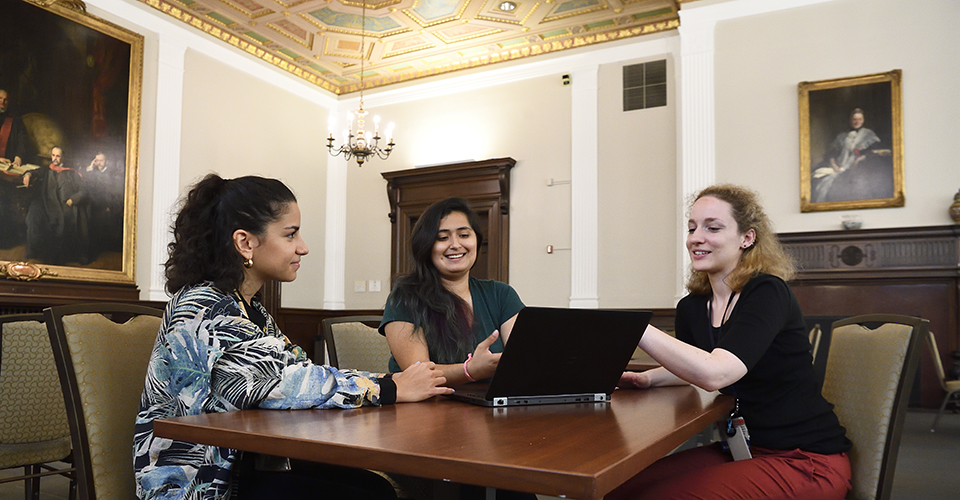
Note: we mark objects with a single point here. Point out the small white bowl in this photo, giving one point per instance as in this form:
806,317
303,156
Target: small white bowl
851,224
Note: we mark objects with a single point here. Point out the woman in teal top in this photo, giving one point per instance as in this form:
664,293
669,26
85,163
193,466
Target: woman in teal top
438,312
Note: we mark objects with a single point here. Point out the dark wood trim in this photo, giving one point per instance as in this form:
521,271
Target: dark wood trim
484,184
270,297
920,252
33,296
913,271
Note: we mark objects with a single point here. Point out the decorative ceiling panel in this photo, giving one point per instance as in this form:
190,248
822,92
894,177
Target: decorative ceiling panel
322,41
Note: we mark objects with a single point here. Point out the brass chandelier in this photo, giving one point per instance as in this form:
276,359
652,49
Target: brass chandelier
358,143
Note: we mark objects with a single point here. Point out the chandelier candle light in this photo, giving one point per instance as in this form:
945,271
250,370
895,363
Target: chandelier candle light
359,143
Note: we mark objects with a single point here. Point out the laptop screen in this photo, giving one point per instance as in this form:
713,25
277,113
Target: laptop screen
567,351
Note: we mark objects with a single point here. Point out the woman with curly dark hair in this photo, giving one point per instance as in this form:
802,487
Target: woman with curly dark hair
741,331
219,350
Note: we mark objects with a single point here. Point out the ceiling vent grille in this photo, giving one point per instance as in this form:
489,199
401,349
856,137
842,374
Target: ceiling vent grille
645,85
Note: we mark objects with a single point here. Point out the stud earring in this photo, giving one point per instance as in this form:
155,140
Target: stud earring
248,263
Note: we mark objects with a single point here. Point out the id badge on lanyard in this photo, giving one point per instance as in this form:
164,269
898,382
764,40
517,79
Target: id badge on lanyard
736,437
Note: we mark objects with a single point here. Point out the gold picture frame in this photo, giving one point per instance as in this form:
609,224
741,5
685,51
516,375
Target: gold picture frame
851,143
73,82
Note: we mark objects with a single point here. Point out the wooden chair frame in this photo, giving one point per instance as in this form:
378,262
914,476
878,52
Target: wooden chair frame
68,380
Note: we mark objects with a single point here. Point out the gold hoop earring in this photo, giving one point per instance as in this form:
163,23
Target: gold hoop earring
248,263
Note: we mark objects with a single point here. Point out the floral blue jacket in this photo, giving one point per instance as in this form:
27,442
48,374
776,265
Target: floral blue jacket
209,357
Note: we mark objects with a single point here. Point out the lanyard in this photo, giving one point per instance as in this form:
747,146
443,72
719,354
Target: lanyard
715,337
715,330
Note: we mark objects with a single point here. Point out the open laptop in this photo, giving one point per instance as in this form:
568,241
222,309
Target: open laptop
559,355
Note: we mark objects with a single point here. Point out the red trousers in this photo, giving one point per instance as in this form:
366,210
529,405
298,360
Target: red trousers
708,472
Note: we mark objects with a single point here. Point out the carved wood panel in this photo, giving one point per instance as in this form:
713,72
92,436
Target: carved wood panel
484,184
913,271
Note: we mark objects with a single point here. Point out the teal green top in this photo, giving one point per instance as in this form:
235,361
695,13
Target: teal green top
493,304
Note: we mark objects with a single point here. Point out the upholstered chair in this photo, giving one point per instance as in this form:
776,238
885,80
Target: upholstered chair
352,343
102,359
870,370
33,420
950,387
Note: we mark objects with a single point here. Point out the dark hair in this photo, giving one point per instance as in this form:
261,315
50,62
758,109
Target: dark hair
765,255
202,248
444,318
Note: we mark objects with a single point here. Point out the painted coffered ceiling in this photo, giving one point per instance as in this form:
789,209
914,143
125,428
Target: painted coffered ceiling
323,41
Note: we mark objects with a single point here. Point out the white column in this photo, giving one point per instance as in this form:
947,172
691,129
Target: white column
697,133
166,158
335,236
583,188
697,121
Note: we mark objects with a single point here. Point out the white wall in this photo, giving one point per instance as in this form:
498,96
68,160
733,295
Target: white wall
527,120
761,59
240,116
637,174
235,125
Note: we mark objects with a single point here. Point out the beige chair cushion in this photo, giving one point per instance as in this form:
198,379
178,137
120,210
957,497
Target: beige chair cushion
863,372
33,419
360,347
110,361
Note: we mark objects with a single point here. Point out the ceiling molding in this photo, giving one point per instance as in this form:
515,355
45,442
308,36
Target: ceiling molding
320,41
636,50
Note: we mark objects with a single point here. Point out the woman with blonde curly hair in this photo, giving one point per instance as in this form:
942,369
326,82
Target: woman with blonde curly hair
741,331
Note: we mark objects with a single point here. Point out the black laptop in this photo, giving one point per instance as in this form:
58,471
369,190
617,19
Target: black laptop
557,355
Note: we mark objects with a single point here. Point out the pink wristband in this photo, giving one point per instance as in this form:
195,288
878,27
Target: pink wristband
465,372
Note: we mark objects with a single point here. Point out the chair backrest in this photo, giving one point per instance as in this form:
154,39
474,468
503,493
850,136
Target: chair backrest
103,365
33,418
937,362
352,344
870,370
823,346
815,334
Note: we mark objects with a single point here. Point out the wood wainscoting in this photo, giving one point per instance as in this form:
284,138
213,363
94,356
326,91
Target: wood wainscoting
913,271
27,297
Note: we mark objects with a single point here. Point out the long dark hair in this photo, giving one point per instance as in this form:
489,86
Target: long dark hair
444,318
202,248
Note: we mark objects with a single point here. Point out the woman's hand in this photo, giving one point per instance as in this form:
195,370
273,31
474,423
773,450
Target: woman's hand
634,380
483,362
420,381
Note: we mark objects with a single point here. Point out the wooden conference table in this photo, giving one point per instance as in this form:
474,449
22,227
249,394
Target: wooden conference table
575,450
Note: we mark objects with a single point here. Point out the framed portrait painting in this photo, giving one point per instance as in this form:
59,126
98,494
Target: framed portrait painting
70,88
851,143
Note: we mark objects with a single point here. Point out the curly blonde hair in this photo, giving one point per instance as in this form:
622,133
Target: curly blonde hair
766,255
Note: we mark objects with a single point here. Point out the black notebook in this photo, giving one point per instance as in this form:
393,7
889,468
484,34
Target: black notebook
557,355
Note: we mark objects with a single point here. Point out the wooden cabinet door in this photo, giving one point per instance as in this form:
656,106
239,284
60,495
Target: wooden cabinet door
484,184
